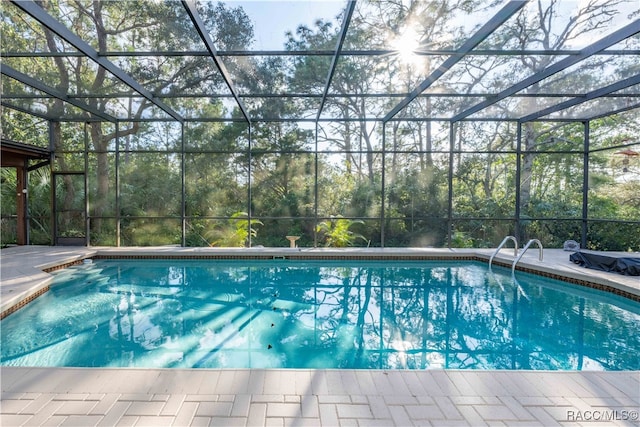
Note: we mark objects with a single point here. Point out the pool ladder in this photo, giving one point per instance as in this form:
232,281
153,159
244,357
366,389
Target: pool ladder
540,255
504,242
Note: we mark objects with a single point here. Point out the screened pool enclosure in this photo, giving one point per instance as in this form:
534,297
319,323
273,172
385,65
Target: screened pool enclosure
443,123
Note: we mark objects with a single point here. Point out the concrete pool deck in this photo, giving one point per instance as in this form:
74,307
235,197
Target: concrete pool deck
279,397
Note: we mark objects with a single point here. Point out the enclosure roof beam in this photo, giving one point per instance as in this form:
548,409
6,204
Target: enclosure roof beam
318,95
618,111
604,91
54,25
6,104
485,31
609,40
320,52
348,13
192,11
36,84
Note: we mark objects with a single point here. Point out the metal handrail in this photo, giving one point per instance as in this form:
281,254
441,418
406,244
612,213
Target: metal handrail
504,241
540,255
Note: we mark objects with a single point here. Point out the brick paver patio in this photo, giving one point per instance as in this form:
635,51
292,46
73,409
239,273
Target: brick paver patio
153,397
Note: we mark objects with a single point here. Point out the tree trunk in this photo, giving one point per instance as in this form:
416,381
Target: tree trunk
365,135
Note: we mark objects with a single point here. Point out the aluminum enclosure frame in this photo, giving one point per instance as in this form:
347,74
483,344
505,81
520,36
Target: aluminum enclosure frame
456,55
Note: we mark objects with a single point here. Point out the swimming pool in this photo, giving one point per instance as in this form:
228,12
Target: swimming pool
319,314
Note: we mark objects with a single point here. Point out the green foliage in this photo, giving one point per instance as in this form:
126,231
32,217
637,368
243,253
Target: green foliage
337,232
234,232
460,239
552,233
21,127
150,191
614,236
150,232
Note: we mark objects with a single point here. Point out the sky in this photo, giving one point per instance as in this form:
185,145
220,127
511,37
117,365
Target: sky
272,19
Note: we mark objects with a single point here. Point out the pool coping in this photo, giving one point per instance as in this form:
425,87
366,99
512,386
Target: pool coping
24,270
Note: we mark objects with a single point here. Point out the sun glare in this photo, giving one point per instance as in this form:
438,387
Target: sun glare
406,45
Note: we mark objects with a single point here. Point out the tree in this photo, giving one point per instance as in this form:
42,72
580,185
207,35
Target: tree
130,26
549,31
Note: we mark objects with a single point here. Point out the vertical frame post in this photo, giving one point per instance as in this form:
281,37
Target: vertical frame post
21,202
54,204
452,138
315,190
517,182
183,197
585,185
382,182
87,218
249,172
117,184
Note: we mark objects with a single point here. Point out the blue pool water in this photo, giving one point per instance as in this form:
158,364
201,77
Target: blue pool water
319,314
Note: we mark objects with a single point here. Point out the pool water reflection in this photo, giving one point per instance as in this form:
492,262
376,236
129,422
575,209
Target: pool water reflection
319,314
